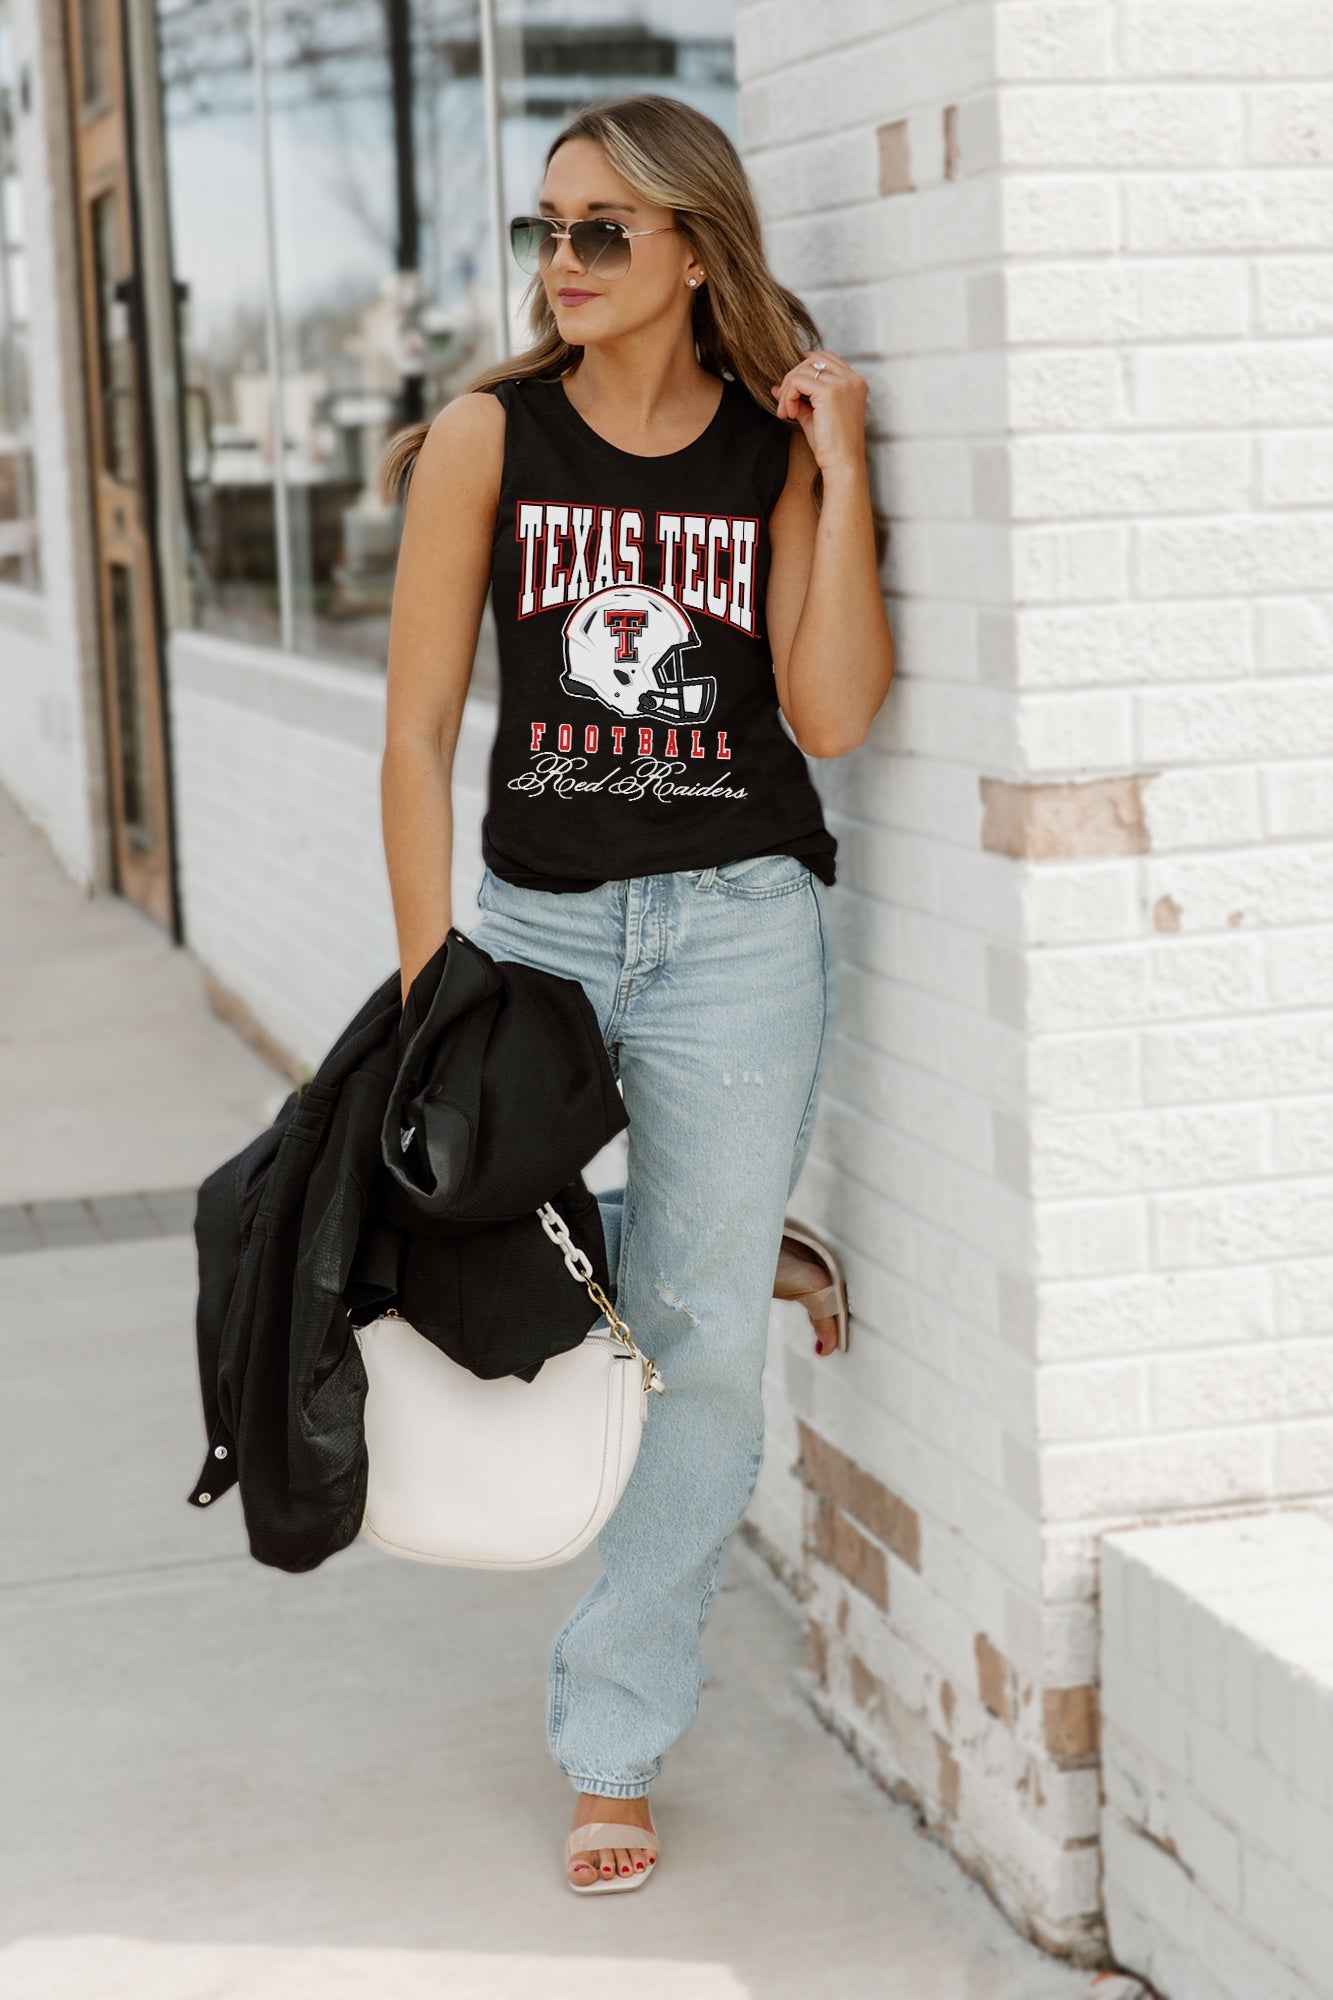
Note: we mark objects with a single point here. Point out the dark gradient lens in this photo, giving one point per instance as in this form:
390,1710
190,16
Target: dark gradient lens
530,238
600,244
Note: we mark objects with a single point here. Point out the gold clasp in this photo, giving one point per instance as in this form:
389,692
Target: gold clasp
652,1375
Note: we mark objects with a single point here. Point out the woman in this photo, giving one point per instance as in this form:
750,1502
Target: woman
668,494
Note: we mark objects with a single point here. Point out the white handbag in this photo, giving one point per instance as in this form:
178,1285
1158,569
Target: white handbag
500,1473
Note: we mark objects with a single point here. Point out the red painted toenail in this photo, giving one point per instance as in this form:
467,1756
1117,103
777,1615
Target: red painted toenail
639,1867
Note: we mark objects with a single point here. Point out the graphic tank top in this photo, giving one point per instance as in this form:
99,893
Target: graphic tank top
639,727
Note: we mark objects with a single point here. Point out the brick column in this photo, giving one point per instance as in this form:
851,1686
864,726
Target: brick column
1075,1142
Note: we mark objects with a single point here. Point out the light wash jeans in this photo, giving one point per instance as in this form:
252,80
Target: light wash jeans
716,992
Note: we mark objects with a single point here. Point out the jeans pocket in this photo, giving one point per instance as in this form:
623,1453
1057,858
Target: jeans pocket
761,875
498,896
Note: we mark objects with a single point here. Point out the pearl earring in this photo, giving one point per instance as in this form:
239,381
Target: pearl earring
693,281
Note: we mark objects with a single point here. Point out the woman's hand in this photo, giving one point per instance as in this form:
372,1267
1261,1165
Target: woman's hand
830,407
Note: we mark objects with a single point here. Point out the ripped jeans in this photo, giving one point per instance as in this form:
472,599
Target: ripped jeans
715,990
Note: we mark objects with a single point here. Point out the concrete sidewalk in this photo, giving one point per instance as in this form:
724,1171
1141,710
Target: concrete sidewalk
223,1782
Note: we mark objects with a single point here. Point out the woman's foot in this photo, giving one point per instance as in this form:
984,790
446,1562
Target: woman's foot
599,1861
799,1271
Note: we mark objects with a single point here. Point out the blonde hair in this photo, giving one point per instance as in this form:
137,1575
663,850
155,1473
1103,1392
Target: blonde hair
745,322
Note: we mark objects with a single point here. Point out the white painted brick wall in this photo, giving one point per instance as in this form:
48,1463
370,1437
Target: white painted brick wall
1218,117
1075,1140
285,890
920,1159
1217,1708
1206,129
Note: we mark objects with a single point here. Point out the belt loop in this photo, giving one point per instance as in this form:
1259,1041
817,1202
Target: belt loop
705,880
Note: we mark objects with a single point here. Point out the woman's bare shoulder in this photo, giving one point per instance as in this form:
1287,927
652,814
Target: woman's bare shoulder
463,449
475,413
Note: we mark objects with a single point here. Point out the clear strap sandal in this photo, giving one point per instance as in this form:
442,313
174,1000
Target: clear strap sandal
595,1833
829,1301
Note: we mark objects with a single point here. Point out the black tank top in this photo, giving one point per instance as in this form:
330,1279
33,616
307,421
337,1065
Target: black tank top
639,728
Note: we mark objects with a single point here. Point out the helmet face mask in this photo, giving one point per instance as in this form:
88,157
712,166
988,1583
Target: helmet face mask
624,646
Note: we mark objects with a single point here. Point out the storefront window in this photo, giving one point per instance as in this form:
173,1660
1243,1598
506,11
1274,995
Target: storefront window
334,221
215,200
378,146
18,495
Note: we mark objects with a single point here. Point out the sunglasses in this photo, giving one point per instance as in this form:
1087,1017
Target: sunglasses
599,243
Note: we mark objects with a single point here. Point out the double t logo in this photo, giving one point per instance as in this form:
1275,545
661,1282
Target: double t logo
627,626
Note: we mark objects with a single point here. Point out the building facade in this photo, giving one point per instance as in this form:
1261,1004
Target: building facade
1076,1142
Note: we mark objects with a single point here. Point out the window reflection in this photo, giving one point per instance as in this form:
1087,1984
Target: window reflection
380,290
18,500
352,284
379,159
217,225
552,62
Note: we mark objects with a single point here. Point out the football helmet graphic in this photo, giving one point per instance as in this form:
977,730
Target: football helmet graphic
623,647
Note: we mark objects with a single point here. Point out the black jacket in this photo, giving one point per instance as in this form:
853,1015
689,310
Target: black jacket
405,1171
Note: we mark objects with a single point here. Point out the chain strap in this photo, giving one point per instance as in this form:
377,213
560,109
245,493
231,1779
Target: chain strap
581,1268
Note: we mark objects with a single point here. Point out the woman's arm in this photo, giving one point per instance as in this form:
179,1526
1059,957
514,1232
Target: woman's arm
439,595
829,633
